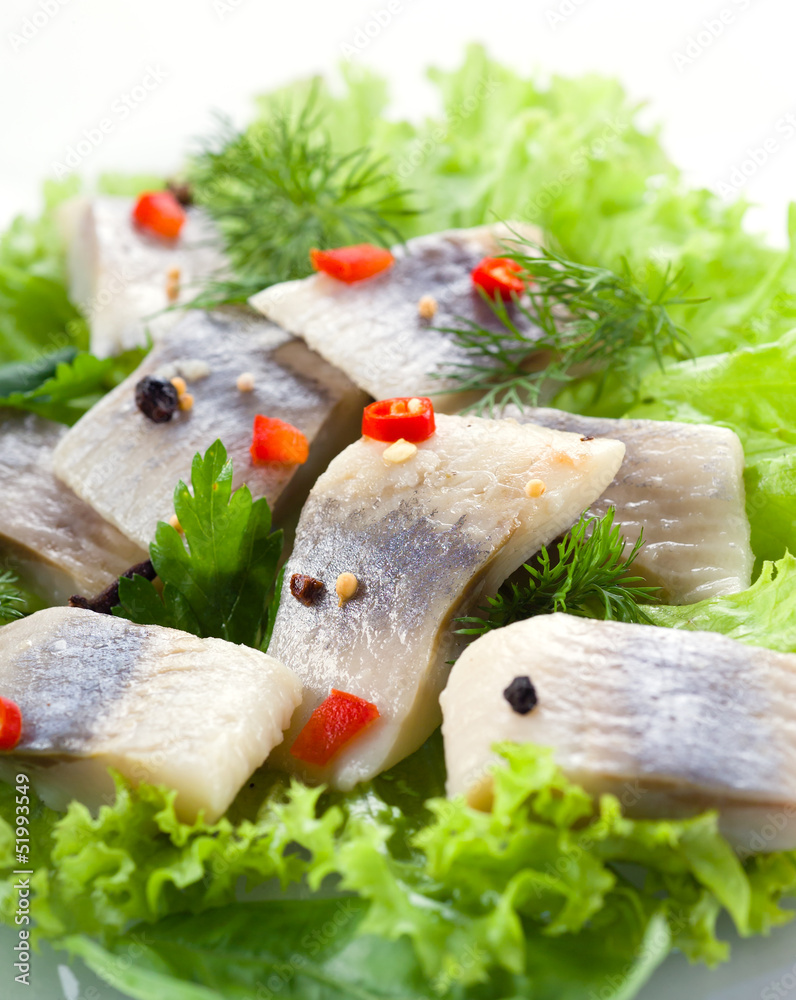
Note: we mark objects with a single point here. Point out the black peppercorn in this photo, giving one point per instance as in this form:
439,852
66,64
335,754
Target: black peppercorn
521,695
305,588
156,398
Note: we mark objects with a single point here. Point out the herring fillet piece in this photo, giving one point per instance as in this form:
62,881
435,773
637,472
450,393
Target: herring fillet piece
57,542
126,467
372,330
158,705
671,722
683,485
426,540
118,274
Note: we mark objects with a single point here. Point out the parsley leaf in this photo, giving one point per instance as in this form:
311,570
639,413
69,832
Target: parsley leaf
589,579
218,579
64,385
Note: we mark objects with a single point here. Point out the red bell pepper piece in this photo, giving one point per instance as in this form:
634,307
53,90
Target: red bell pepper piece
160,213
10,724
275,440
334,723
499,276
353,263
407,417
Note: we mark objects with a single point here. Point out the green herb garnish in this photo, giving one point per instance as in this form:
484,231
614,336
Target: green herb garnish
279,189
217,580
64,385
11,597
584,319
589,579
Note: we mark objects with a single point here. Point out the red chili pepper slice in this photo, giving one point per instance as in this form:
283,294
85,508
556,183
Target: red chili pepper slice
160,213
354,263
498,276
407,417
334,723
275,440
10,724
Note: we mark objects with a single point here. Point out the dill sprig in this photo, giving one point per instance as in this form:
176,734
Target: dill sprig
279,188
583,320
10,598
590,578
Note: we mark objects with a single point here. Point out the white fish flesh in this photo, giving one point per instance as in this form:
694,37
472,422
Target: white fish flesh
120,276
671,722
158,705
58,544
373,331
426,540
126,467
683,485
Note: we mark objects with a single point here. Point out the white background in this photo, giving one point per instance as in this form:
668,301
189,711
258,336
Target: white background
86,54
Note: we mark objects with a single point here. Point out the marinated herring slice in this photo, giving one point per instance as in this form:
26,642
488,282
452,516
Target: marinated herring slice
671,722
683,485
126,467
158,705
425,539
120,276
57,543
373,330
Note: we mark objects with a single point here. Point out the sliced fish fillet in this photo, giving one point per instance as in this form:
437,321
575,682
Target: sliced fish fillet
59,544
372,330
158,705
683,485
671,722
126,467
119,276
426,540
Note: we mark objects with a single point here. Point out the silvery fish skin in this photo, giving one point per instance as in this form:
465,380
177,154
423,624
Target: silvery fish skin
426,540
126,467
119,275
683,485
372,329
671,722
158,705
59,545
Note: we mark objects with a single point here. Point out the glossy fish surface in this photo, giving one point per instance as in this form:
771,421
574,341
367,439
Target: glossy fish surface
120,276
126,467
426,540
59,544
682,484
671,722
373,330
158,705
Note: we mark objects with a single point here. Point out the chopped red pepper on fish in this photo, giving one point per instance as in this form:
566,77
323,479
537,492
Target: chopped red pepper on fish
275,440
354,263
407,417
333,724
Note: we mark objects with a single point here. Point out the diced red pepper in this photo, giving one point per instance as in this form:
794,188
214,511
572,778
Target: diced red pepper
499,276
335,722
10,724
160,213
275,440
354,263
407,417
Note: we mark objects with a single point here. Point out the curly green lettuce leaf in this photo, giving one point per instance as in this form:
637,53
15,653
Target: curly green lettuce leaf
749,390
299,948
763,615
218,575
465,903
